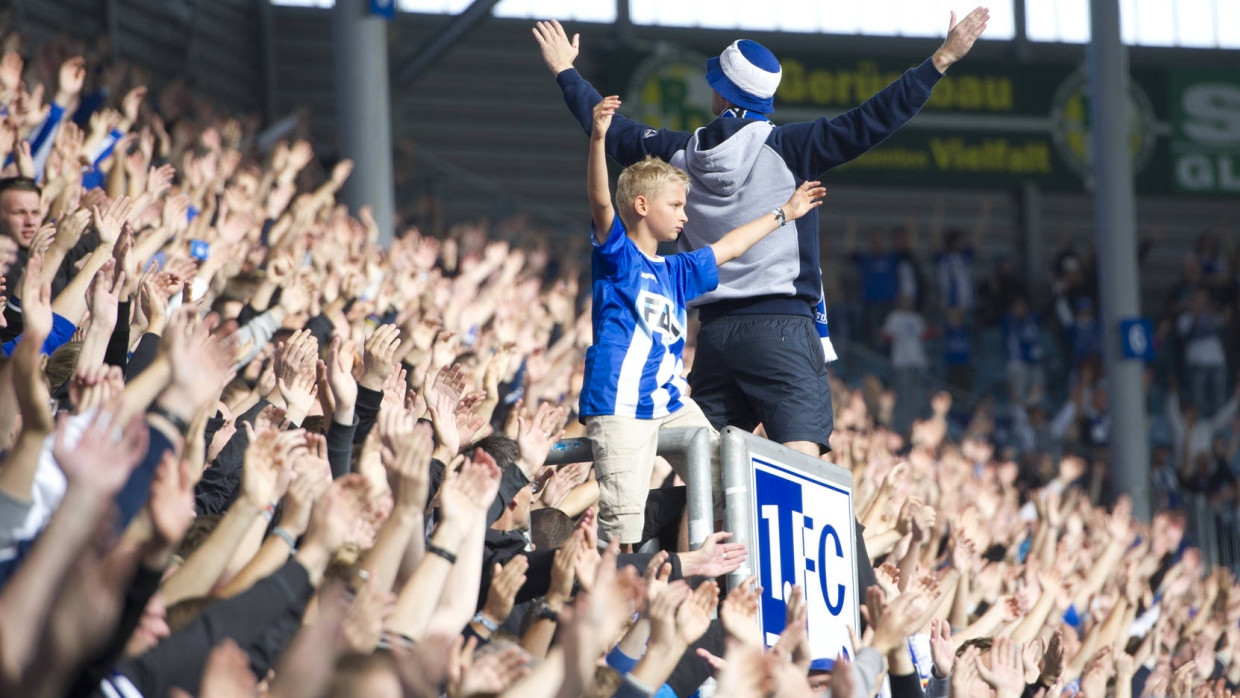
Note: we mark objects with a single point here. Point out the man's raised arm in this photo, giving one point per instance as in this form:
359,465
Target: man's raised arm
813,147
627,140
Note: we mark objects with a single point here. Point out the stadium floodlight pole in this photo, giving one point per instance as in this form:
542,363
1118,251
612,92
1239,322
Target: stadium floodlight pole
363,109
1115,231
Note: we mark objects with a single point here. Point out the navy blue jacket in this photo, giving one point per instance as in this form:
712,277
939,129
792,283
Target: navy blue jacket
742,168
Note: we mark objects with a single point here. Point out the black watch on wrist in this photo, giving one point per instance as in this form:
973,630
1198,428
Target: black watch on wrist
548,613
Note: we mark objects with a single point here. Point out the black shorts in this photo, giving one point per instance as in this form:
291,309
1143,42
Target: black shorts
764,369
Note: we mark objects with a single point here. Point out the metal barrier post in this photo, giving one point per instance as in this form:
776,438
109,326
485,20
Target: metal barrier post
693,443
1207,534
737,507
570,451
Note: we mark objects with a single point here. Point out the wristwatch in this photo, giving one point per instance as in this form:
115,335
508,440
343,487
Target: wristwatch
547,612
780,217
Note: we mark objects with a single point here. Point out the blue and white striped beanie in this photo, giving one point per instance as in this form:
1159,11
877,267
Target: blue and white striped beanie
746,74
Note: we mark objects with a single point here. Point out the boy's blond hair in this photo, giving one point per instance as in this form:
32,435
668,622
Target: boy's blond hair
647,178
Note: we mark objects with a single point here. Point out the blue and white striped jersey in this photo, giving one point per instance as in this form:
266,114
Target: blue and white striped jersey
634,368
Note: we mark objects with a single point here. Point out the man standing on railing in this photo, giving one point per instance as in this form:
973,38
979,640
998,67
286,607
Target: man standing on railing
760,357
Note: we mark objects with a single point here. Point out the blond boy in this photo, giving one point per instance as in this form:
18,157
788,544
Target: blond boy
633,382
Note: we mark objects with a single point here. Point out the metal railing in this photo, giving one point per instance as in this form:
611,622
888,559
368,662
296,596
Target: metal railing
691,443
1215,532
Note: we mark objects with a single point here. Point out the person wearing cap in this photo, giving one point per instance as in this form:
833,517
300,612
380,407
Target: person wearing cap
762,350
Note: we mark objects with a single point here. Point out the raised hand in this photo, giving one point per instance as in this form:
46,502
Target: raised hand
693,616
407,459
159,180
449,383
1004,672
109,221
268,464
1030,656
131,103
603,111
739,612
588,556
942,650
469,422
199,360
893,622
340,173
363,624
70,79
806,198
471,675
171,505
36,301
1098,672
561,482
105,293
470,492
794,640
10,73
299,392
104,455
661,610
923,523
394,389
506,581
966,673
658,572
558,52
153,304
340,356
1052,658
563,573
960,37
335,514
309,482
91,387
379,356
536,435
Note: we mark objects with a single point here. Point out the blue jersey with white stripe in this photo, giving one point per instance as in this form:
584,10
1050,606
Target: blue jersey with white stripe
634,367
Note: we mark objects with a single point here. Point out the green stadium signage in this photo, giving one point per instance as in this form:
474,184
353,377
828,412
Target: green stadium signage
1205,131
989,123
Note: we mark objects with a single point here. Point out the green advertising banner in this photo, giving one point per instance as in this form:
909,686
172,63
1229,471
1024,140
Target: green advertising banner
1205,131
988,124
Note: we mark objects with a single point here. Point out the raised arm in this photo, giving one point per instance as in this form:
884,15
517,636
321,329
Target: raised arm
628,141
960,38
601,210
813,147
806,198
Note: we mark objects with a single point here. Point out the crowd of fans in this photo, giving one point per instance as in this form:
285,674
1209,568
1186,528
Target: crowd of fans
942,316
249,451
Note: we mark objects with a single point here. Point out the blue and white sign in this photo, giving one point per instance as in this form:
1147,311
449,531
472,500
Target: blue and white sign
806,536
383,8
1136,338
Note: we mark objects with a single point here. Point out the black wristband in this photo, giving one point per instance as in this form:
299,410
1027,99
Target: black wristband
176,420
545,612
441,552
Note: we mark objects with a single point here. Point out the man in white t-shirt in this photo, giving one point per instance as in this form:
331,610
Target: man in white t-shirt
905,330
1201,328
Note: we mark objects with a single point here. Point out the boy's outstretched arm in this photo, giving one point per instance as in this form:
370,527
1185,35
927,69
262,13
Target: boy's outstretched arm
807,197
601,209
